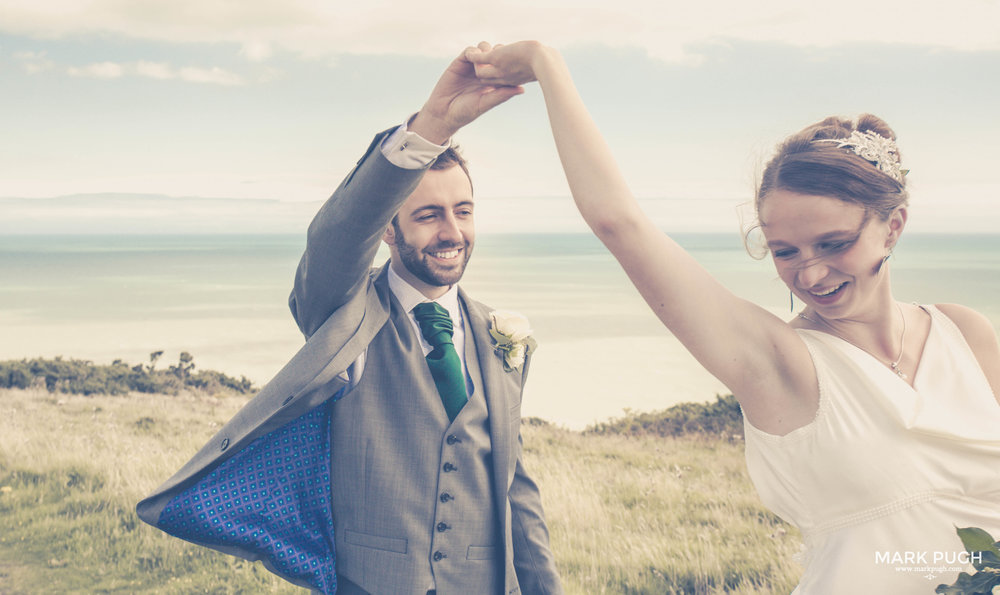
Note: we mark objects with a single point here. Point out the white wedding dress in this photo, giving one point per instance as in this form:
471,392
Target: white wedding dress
879,480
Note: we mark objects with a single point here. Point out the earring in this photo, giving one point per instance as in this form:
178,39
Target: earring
887,257
791,301
882,262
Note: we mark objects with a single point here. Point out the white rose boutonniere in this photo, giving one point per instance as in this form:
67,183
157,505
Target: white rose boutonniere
512,336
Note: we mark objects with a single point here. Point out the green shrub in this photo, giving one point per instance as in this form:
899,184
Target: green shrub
723,418
83,377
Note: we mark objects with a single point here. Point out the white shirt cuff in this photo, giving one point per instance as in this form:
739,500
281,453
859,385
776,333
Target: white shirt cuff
409,150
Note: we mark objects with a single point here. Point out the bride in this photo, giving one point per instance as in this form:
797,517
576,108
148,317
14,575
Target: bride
872,425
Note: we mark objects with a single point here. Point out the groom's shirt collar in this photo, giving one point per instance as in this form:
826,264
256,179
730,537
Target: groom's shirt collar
409,296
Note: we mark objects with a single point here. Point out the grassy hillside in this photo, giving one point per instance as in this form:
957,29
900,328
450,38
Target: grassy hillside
627,514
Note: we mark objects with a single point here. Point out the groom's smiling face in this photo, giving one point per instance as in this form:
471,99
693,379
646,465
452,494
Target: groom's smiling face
432,235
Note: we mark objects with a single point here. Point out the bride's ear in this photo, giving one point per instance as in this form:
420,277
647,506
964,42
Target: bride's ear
897,221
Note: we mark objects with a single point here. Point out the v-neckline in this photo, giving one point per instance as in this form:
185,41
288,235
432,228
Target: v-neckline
919,367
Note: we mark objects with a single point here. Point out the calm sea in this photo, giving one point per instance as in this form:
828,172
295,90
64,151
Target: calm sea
223,297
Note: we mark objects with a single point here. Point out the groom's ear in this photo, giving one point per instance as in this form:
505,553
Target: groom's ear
389,235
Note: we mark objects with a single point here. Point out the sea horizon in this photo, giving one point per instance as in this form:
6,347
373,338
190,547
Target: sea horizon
223,298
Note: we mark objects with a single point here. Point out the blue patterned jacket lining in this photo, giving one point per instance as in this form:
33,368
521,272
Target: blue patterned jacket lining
271,498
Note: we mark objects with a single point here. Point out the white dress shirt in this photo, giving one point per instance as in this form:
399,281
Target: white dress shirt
409,150
408,297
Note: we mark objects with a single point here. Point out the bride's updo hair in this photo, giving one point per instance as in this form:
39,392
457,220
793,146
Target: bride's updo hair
811,162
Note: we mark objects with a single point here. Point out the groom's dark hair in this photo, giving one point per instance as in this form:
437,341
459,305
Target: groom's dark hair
450,158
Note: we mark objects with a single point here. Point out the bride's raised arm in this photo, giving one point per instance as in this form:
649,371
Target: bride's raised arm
757,355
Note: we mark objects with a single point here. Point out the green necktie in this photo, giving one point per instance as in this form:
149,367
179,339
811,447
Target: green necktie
446,368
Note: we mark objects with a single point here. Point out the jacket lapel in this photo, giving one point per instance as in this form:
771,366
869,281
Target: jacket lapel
502,391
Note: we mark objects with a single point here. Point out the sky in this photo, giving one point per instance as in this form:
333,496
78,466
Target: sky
180,104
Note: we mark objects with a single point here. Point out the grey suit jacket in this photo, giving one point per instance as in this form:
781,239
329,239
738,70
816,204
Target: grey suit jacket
218,500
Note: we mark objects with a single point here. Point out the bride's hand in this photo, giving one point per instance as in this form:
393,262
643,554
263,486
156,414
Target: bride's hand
512,64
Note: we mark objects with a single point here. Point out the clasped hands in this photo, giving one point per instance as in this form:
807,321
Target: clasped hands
478,80
505,65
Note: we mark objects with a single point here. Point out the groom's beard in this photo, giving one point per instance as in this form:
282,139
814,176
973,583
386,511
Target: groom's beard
423,266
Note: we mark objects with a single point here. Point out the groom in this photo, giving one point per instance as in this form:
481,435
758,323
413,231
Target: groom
385,457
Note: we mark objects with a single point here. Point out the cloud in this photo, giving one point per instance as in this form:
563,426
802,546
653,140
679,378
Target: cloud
99,70
33,62
215,76
670,30
256,51
154,70
157,70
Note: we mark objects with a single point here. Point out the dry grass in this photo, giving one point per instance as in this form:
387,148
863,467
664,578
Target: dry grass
657,515
626,515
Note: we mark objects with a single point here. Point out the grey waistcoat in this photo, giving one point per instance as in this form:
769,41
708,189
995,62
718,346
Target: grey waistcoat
413,501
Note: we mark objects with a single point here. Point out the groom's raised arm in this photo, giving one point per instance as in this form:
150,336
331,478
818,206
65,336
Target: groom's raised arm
344,236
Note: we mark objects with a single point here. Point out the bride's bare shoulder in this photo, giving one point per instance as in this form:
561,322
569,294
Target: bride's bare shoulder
975,326
981,337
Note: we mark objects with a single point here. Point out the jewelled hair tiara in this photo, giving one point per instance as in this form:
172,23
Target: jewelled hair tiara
873,147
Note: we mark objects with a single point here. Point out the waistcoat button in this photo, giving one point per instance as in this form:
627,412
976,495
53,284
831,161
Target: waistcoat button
442,527
446,497
438,556
453,439
448,468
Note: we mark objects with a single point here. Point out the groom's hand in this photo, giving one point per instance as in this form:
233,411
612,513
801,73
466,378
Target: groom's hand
512,64
458,98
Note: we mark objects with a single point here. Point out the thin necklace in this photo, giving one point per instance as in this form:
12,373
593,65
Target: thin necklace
902,336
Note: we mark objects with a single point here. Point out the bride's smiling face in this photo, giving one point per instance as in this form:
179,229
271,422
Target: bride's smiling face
829,252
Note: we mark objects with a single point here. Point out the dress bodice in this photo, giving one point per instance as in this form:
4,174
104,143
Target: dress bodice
886,468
